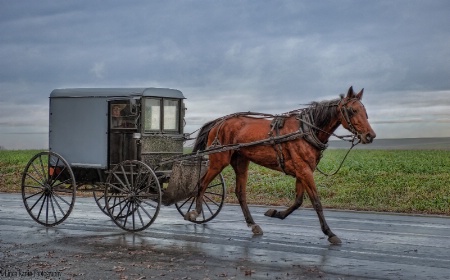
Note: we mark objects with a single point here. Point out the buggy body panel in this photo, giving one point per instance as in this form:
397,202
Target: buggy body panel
81,129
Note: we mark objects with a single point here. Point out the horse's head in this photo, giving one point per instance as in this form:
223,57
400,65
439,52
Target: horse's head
353,116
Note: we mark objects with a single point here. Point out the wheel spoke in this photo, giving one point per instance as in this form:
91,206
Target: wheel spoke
120,204
42,206
205,197
141,177
209,208
46,209
54,171
53,180
212,201
37,201
34,187
131,175
114,205
33,195
61,198
36,180
53,207
148,203
42,167
124,173
145,211
120,181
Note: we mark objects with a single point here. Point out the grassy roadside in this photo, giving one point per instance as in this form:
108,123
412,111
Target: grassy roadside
372,180
376,180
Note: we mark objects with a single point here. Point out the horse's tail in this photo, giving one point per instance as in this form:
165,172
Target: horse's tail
202,137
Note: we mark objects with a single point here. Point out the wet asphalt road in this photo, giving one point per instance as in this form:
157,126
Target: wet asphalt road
89,246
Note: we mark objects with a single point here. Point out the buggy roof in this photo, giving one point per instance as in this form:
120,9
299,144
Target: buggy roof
115,92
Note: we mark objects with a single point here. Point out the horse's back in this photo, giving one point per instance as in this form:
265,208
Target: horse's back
240,130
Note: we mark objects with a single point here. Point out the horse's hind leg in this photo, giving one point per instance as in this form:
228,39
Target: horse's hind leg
297,203
240,166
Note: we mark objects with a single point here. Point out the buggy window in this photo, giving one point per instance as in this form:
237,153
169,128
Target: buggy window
161,115
152,114
171,114
121,116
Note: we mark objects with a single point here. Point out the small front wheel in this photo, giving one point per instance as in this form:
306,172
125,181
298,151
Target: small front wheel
212,201
132,195
48,188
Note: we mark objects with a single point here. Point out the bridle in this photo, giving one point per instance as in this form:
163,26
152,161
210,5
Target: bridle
346,113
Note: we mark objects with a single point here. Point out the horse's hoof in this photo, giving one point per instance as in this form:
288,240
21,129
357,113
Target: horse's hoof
257,230
334,240
271,213
191,216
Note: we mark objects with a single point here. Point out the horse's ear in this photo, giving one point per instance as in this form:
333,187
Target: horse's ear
350,93
360,94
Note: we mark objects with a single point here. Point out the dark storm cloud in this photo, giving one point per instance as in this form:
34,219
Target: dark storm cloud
229,56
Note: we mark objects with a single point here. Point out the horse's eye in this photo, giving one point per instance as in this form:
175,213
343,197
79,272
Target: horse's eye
351,111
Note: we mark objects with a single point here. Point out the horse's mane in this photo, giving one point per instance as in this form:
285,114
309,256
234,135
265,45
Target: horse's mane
202,136
321,113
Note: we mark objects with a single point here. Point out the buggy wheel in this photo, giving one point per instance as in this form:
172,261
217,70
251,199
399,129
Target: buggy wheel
212,201
99,197
48,188
132,195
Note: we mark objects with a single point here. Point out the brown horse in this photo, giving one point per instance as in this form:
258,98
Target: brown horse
307,131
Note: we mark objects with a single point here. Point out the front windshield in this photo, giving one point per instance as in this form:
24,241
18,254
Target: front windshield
170,114
161,115
152,114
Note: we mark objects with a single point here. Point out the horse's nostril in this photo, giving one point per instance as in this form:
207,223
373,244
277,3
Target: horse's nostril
369,138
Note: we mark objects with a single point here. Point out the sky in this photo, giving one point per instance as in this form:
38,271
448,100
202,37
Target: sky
230,56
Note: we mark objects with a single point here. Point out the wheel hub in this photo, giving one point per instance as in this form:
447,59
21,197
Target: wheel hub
47,189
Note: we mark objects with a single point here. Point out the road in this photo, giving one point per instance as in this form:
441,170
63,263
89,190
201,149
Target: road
89,246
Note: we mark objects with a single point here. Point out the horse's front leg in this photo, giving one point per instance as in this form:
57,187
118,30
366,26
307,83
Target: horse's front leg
204,183
315,200
240,166
297,203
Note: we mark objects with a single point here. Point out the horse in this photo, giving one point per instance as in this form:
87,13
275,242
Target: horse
291,143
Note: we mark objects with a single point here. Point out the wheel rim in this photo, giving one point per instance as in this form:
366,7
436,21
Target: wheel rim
99,197
48,188
212,201
132,195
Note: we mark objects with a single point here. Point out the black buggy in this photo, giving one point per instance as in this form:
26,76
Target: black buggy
125,147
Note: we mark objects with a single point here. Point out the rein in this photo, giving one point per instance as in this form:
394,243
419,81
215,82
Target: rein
342,162
354,137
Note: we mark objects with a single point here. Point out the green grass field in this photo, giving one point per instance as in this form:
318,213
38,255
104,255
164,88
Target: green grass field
375,180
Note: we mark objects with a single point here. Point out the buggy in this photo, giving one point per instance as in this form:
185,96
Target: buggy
119,145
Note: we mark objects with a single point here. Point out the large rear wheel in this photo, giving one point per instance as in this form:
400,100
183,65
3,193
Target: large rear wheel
132,195
212,201
48,188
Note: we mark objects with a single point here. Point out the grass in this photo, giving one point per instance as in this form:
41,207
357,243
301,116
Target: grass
373,180
12,163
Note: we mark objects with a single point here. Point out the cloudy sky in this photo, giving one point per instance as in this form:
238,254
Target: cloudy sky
229,56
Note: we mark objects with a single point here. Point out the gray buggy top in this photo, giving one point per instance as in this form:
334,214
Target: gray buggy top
84,131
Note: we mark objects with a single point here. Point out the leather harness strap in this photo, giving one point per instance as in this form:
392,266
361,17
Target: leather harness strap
277,124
